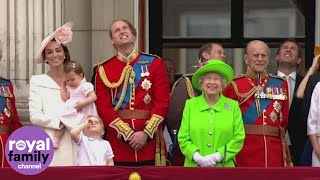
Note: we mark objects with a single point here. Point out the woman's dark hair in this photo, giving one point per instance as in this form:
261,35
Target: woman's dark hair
66,53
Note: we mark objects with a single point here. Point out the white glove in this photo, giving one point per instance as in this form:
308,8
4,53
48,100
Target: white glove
203,161
215,157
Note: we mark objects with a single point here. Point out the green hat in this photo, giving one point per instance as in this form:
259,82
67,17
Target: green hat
214,66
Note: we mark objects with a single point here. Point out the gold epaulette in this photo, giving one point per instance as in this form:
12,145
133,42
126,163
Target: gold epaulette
187,75
101,62
152,125
122,128
239,76
189,86
276,76
150,54
243,97
4,78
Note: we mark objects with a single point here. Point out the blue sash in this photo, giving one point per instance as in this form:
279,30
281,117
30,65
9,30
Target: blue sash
142,61
251,113
3,99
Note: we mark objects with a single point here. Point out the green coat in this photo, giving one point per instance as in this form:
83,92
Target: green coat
209,130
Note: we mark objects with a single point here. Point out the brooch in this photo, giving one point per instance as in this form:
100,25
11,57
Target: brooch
276,106
227,106
273,116
147,99
146,84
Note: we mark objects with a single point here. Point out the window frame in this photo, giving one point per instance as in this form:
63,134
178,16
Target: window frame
237,40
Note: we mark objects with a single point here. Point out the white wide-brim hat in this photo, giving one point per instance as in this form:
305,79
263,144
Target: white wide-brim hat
62,35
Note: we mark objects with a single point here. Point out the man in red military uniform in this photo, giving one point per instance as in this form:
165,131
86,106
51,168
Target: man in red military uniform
9,120
264,103
133,97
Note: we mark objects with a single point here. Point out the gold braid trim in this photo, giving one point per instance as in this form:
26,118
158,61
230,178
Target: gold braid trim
160,156
106,81
2,155
152,125
243,97
122,128
124,89
124,78
189,88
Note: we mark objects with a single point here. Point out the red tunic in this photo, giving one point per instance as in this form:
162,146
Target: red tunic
260,150
8,117
159,93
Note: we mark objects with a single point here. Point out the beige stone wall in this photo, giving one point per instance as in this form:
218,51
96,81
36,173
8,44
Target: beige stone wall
25,23
91,43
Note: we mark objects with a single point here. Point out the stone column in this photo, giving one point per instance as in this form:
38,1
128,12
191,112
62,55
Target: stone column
23,26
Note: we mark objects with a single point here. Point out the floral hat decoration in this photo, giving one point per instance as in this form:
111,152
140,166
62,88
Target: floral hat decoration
212,66
62,35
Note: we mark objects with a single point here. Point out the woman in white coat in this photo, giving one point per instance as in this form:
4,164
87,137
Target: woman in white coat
44,93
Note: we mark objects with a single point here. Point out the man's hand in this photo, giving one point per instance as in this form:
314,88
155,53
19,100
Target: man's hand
137,140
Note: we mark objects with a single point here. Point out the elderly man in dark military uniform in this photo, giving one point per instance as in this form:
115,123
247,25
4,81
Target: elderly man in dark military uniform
9,120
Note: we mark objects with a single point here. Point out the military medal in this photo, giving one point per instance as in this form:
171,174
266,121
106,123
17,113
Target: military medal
276,106
144,71
146,84
147,99
147,71
273,116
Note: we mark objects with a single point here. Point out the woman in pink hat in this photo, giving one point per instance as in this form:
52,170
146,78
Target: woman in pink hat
44,95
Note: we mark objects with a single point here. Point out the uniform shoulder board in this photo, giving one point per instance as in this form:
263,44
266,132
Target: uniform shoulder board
275,76
150,54
101,62
239,76
187,75
4,79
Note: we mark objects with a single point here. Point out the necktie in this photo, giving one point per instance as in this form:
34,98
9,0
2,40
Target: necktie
289,90
287,136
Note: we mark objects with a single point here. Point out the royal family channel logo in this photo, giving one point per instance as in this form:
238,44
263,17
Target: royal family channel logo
29,150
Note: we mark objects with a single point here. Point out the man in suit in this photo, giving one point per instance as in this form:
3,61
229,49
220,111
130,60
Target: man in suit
288,59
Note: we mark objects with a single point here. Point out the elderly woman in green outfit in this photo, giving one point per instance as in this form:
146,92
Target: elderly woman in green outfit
212,131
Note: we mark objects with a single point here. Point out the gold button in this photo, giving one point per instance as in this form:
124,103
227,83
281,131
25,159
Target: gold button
210,133
209,145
